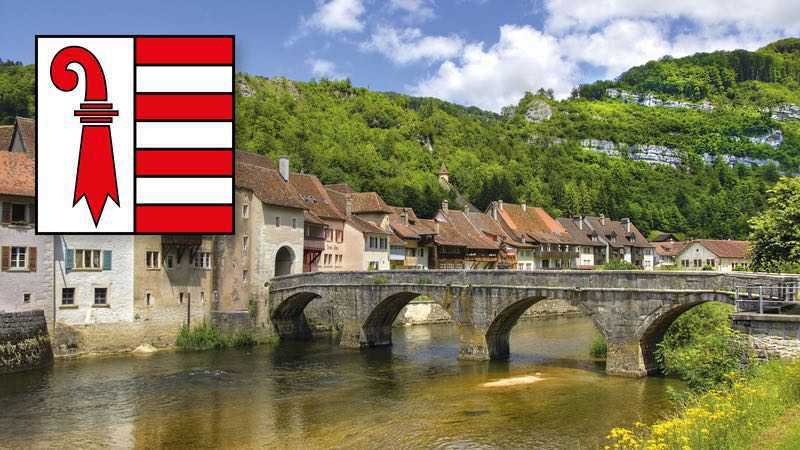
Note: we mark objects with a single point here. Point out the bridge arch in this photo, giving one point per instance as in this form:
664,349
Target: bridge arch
377,327
499,331
289,319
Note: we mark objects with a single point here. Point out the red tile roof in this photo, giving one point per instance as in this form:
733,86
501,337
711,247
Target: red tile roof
6,133
309,216
255,159
315,196
340,187
725,249
532,223
365,226
267,184
669,248
409,228
466,231
579,236
606,227
446,234
17,174
26,130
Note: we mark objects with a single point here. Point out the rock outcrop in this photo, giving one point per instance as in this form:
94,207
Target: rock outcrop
652,100
538,111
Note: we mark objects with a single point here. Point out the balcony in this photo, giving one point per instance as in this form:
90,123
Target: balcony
314,243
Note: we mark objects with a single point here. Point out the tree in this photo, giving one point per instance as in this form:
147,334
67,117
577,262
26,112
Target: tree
776,231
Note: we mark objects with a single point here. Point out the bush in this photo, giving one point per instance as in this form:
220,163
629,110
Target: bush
619,264
202,337
599,347
242,339
729,417
702,349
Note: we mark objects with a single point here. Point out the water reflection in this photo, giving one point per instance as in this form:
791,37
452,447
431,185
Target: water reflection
316,395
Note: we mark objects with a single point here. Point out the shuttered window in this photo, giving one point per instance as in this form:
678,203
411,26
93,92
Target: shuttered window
14,258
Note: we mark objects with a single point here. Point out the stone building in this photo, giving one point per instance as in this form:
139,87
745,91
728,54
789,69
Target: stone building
26,260
366,232
480,252
324,241
623,241
710,254
411,239
552,246
173,283
269,237
582,236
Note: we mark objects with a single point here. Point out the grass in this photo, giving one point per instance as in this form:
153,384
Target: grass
599,347
730,416
783,435
207,337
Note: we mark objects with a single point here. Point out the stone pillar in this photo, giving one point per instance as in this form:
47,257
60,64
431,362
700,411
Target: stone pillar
626,358
351,335
472,344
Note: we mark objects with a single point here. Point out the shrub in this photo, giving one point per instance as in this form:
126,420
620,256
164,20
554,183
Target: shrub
202,337
619,264
242,339
599,347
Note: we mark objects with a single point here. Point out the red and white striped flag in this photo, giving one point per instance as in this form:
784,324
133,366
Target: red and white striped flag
135,134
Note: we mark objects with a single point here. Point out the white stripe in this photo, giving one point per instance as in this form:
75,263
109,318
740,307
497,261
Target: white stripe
184,78
183,190
184,134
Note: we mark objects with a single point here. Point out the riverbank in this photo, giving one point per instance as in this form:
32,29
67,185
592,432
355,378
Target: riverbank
732,416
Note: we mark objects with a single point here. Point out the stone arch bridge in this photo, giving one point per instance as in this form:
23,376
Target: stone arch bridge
632,309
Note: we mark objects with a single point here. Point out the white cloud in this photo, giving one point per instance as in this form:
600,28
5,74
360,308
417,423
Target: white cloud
743,14
323,68
333,16
416,9
523,59
408,45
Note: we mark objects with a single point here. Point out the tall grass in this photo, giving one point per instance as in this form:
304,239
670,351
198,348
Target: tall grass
599,347
729,416
207,337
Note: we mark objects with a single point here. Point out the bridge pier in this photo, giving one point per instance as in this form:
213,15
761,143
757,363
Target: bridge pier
473,345
626,358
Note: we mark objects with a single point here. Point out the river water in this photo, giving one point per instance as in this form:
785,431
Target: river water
316,395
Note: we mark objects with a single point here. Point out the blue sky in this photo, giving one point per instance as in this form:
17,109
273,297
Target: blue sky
476,52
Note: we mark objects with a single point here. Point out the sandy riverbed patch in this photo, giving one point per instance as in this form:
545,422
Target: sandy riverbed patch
513,381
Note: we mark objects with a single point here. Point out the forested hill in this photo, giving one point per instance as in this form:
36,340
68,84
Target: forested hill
688,145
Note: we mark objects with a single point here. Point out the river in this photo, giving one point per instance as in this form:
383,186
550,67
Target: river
316,395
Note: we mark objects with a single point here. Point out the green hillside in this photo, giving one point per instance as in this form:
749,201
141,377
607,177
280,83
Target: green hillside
395,144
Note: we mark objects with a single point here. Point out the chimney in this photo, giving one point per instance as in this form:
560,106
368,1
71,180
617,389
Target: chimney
436,227
466,209
283,167
627,223
445,205
602,220
348,206
524,206
500,204
404,217
579,220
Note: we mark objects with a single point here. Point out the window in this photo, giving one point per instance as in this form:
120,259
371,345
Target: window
19,258
153,261
68,296
26,298
245,210
710,262
698,263
244,275
148,298
338,259
169,261
277,221
339,235
245,243
685,262
422,253
100,296
373,265
19,213
328,235
180,298
202,297
294,222
411,252
202,260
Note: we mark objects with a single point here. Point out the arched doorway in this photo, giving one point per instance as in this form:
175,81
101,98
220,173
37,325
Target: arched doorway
284,261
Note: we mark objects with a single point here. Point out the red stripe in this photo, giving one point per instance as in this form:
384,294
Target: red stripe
184,50
184,107
97,105
79,113
209,219
184,162
96,120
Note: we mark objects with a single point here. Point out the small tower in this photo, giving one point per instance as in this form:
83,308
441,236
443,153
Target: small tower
444,177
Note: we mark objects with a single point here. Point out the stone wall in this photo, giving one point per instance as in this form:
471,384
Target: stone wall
24,342
76,340
772,335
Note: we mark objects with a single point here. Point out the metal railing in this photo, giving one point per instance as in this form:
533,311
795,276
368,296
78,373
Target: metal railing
763,297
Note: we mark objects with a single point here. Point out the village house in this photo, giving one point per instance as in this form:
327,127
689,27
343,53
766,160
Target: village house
552,246
270,233
411,244
512,254
480,251
324,248
366,228
719,255
623,241
581,235
26,260
666,252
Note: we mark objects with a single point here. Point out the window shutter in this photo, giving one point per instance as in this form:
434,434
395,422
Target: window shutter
106,259
32,259
69,259
6,215
6,258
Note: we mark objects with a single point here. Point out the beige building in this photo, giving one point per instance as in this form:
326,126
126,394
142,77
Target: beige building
366,229
324,238
709,254
411,243
269,237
